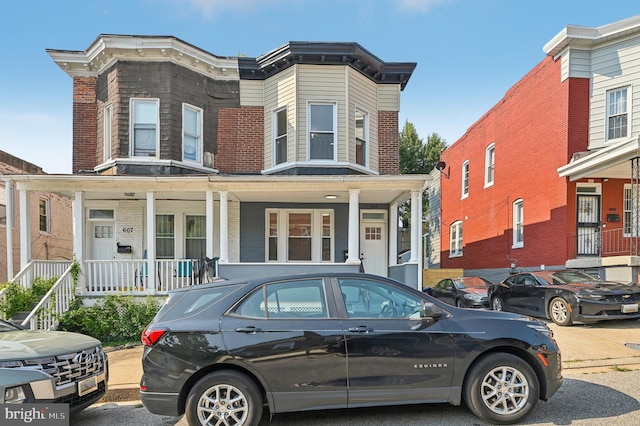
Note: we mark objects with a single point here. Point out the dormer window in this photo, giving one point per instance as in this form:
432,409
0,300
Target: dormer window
144,127
322,133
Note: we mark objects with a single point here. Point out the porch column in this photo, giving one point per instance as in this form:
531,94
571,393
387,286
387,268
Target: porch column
77,212
25,228
393,234
209,247
416,216
9,227
354,227
224,227
152,275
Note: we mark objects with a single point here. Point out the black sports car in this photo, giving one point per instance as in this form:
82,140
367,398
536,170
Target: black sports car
463,292
565,296
222,352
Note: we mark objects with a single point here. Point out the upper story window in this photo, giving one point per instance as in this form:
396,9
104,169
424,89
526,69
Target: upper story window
617,113
362,136
455,242
322,131
44,214
191,133
299,235
5,197
280,130
518,223
144,127
465,179
489,164
107,133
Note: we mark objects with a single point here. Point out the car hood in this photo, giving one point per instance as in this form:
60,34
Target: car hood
605,287
26,344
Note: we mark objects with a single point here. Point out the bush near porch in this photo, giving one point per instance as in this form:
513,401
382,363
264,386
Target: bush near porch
23,299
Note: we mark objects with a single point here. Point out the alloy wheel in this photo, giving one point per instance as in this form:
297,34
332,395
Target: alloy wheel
505,390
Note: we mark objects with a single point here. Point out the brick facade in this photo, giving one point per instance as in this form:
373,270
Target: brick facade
240,140
84,123
388,140
536,127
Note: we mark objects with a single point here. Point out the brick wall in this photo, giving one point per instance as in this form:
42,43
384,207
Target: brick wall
240,140
536,127
84,123
388,153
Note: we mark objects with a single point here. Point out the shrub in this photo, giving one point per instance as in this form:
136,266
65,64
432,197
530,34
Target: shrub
115,320
21,299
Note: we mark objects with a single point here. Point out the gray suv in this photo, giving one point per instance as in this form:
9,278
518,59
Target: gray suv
39,366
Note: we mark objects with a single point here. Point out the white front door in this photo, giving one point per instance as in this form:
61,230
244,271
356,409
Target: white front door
103,245
373,241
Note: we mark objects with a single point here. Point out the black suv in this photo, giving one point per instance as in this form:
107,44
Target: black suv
222,352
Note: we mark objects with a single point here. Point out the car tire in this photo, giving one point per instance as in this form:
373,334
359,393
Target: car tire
559,311
496,304
225,398
501,388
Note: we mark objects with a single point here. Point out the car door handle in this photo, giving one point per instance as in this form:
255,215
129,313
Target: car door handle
360,329
248,330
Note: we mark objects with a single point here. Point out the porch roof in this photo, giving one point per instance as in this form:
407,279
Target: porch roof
610,162
248,188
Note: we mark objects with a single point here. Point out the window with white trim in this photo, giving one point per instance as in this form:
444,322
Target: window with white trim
280,133
518,223
195,236
465,179
617,113
627,219
5,197
144,127
455,242
362,136
489,164
165,236
191,133
322,131
294,235
44,215
107,133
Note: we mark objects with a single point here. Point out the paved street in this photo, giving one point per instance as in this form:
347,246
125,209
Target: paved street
584,399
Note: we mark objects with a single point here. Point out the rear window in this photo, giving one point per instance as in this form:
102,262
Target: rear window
181,304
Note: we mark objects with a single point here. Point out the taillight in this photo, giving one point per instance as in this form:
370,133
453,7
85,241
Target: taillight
151,337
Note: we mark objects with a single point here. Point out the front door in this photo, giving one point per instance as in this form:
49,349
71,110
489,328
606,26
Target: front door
103,247
373,242
588,225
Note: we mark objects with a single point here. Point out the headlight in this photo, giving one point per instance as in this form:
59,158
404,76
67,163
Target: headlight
14,395
473,297
541,328
590,296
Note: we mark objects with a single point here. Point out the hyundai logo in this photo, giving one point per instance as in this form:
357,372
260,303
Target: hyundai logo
84,358
626,296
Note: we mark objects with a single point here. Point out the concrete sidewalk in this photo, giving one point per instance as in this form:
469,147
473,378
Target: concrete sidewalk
600,347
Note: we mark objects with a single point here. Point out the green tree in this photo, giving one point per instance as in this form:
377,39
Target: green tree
416,157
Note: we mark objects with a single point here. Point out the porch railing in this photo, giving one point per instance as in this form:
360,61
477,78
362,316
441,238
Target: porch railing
610,242
45,269
46,314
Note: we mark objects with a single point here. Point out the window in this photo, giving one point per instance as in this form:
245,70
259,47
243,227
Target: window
362,136
465,179
629,224
165,236
44,213
617,113
489,164
195,237
5,197
144,127
371,299
107,133
322,137
518,223
280,130
299,235
456,239
291,299
191,133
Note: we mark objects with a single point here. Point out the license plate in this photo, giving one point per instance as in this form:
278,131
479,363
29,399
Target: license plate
87,385
629,308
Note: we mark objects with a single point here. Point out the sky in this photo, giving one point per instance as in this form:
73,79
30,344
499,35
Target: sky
468,52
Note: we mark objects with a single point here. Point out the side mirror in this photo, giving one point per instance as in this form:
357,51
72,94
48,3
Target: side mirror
430,310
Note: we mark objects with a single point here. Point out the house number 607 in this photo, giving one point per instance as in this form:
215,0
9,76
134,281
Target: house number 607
127,230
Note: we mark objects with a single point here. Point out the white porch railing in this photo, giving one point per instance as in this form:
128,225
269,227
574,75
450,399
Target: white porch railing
103,277
55,303
45,269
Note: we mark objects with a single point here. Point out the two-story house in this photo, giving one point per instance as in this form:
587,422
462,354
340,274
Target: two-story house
550,176
47,215
277,164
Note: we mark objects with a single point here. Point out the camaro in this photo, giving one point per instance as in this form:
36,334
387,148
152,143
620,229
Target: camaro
565,296
222,352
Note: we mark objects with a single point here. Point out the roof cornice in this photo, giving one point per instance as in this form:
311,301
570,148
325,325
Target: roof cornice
107,49
587,38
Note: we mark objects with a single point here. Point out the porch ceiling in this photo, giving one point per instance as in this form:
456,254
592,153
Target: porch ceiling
285,189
